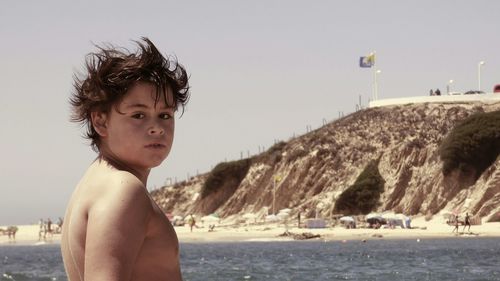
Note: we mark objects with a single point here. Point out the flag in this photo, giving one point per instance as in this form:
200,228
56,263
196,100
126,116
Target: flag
364,62
367,61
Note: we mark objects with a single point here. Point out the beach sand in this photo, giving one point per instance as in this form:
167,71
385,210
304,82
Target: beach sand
28,235
421,229
436,228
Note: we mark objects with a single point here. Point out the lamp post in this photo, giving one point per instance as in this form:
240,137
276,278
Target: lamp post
481,63
377,72
448,86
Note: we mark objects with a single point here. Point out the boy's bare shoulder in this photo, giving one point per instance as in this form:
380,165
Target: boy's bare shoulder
112,188
118,200
123,181
122,185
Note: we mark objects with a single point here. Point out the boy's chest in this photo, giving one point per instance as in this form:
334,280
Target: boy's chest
159,255
161,233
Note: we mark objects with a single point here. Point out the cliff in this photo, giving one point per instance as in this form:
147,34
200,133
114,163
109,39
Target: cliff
312,171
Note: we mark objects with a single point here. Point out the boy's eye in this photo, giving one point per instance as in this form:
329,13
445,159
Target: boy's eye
138,116
165,116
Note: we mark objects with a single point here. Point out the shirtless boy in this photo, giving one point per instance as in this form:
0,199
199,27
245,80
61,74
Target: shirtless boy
112,228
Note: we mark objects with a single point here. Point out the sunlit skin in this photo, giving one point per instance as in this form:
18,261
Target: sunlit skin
113,230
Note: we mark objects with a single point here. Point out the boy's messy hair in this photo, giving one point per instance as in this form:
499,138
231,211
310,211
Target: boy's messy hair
112,71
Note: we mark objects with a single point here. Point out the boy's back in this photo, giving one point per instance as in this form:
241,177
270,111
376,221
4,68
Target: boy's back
121,211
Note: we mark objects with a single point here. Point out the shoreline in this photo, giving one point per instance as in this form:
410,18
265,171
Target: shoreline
434,229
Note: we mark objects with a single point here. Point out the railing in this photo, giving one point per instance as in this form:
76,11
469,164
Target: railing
486,98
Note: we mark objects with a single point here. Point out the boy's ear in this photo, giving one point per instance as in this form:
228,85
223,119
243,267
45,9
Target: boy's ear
99,122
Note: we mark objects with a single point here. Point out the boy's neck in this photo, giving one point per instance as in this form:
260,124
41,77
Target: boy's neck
119,165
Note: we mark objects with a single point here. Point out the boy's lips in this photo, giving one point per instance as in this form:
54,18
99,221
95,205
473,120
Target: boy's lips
155,145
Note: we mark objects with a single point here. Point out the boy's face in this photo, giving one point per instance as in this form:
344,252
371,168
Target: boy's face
138,132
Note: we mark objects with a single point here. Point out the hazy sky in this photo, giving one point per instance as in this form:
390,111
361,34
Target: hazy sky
260,71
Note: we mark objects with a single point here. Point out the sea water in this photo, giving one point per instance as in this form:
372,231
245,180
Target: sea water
408,259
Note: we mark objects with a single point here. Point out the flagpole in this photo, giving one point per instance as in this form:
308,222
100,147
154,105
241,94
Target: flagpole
375,94
374,84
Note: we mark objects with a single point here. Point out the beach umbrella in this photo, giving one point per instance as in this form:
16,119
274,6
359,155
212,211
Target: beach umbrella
388,215
372,215
373,218
401,217
392,219
347,219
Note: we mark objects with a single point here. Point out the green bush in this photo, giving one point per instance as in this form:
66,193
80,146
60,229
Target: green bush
472,144
224,174
363,196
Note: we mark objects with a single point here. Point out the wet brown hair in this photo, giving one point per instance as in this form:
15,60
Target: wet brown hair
111,71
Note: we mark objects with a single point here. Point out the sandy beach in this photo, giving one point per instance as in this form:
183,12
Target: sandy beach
421,229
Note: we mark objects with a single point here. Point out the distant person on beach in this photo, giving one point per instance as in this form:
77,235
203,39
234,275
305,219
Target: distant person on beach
298,219
432,92
456,224
48,229
49,225
113,229
11,232
438,92
60,222
467,221
42,232
191,222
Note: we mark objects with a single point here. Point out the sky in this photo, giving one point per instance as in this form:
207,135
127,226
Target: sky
260,72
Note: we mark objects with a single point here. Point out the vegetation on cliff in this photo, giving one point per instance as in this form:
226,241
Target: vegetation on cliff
226,175
363,196
235,171
273,154
472,145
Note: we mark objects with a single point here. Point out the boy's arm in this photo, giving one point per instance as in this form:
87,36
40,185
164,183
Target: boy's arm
116,228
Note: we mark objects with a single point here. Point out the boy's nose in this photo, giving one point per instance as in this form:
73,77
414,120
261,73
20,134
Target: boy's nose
156,130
